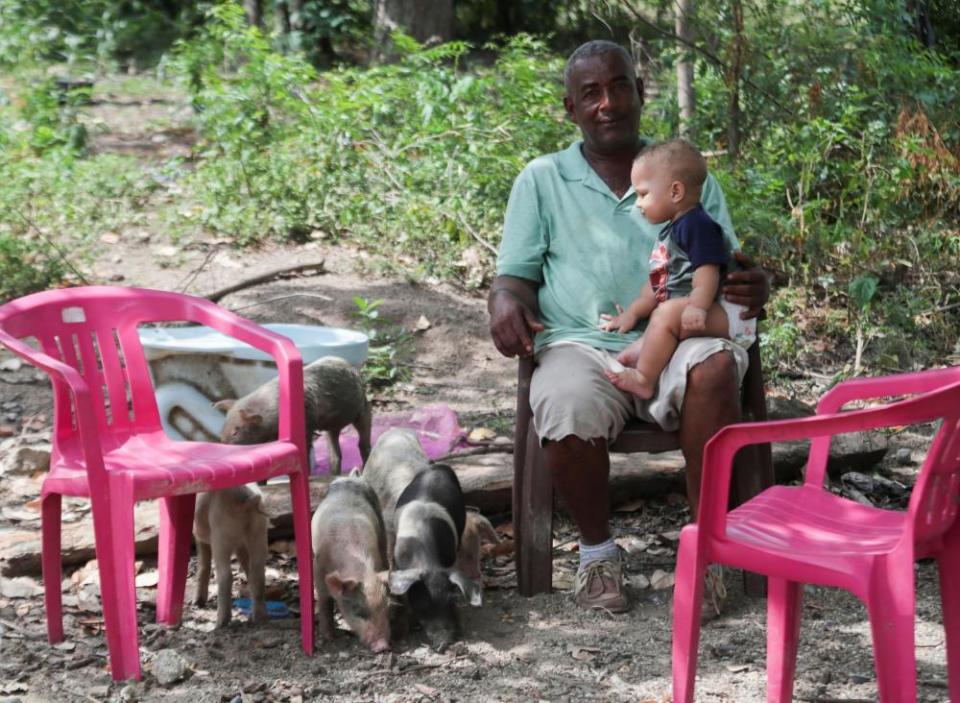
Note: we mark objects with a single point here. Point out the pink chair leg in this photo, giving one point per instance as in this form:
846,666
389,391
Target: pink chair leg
51,565
890,605
113,532
173,557
687,598
300,498
783,631
948,563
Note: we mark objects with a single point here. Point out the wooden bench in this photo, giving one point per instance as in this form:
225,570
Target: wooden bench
533,487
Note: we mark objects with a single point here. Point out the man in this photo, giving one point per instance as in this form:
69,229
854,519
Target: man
574,247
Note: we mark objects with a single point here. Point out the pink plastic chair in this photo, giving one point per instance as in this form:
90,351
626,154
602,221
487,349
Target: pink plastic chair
108,445
805,534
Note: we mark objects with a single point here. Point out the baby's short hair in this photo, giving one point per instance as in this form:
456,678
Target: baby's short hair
683,161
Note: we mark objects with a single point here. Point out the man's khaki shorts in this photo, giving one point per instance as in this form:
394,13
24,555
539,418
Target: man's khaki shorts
570,395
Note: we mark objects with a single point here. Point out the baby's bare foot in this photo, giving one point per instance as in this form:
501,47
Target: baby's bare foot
631,381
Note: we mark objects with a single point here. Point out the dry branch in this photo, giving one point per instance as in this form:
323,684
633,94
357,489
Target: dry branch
217,295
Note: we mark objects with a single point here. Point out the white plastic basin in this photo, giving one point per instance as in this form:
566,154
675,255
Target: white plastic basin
313,342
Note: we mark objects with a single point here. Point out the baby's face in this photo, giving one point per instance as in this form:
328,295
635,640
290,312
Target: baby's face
652,186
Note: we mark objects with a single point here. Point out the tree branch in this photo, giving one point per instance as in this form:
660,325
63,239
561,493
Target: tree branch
709,55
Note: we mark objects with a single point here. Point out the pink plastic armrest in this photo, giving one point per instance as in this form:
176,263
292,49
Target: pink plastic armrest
284,352
868,389
719,452
882,386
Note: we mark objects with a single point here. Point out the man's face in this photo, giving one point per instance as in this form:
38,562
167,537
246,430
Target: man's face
655,193
604,100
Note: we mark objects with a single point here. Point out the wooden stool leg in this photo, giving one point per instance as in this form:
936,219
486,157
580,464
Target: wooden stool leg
533,522
753,465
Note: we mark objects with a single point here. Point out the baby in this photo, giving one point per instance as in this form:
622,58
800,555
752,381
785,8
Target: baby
686,266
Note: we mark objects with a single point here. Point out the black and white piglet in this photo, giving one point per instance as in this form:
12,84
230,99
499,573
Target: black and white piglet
425,516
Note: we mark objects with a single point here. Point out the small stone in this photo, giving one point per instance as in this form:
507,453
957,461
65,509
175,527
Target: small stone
7,430
20,587
169,667
100,691
857,678
26,460
904,456
131,692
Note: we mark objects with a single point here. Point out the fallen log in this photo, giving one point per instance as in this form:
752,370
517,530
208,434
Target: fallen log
486,480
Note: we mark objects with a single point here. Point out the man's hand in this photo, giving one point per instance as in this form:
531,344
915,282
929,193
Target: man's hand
512,324
622,322
750,287
693,319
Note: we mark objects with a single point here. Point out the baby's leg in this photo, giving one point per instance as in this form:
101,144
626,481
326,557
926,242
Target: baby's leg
660,340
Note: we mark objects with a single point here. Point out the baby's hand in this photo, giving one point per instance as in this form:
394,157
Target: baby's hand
693,319
622,322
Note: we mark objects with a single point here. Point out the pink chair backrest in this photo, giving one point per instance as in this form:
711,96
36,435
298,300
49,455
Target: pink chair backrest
94,330
933,504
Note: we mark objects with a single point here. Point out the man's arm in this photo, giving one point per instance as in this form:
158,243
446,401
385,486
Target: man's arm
513,309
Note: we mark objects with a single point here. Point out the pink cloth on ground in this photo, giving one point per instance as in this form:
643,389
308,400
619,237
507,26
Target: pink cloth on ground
436,426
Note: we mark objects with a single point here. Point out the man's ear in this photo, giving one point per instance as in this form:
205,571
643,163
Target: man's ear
568,106
677,191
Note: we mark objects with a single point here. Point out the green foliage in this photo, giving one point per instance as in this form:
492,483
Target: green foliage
405,158
93,31
847,185
390,346
53,201
27,265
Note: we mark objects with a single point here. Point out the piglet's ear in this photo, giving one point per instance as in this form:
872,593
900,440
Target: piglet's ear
487,533
338,586
400,581
471,590
250,418
225,405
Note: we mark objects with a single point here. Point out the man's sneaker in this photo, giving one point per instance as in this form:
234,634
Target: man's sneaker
600,585
714,593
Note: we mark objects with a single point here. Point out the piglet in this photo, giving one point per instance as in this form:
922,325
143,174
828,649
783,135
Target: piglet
334,397
476,532
350,562
427,517
227,522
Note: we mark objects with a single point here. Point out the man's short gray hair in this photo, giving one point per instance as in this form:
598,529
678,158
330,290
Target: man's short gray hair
596,47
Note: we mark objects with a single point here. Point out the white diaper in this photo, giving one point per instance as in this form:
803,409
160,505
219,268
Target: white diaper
742,332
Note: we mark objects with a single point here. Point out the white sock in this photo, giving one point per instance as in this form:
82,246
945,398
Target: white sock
595,552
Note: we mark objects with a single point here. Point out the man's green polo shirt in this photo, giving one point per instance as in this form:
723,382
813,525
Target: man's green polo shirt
588,249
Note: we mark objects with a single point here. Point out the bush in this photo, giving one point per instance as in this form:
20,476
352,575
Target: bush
413,157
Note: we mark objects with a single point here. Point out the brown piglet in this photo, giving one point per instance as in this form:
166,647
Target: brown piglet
334,398
227,522
350,562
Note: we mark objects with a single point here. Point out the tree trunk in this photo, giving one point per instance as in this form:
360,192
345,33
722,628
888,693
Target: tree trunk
424,20
254,11
283,19
922,26
686,98
735,69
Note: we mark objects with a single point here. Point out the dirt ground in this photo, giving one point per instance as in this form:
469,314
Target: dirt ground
513,649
